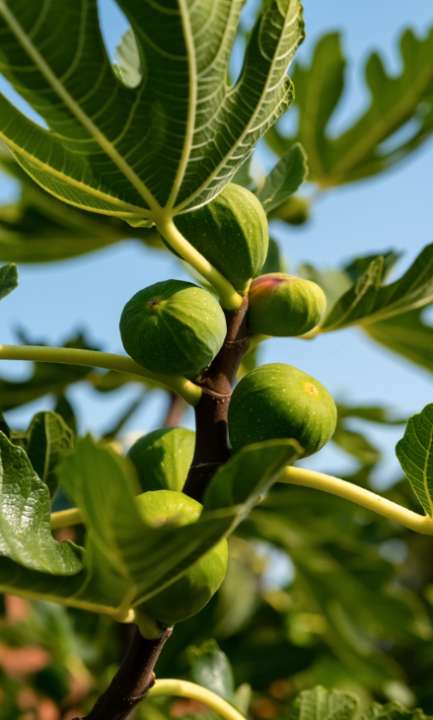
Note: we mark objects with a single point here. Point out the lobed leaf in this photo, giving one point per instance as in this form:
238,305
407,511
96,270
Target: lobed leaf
25,534
368,300
105,148
371,144
415,453
407,335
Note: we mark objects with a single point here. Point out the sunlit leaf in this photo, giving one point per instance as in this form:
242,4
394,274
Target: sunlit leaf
369,300
106,144
396,121
25,534
415,453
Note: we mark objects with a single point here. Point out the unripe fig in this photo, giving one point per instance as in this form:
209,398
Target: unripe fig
173,327
284,305
231,232
193,590
279,401
163,457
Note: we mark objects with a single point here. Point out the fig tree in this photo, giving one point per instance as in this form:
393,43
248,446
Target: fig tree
231,232
279,401
173,327
193,590
162,458
284,305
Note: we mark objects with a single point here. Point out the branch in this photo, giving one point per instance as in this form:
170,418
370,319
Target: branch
132,681
360,496
175,411
109,361
211,411
184,689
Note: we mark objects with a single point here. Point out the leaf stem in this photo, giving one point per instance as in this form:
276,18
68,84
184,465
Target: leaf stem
360,496
66,518
109,361
230,298
185,689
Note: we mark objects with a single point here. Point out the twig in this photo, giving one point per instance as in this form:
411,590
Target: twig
175,410
136,674
132,681
211,411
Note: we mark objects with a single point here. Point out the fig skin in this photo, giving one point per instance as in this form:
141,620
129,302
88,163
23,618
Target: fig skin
231,232
279,401
173,327
284,305
193,590
162,458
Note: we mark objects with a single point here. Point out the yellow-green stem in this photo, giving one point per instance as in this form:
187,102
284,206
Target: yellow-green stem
190,392
66,518
360,496
184,689
230,298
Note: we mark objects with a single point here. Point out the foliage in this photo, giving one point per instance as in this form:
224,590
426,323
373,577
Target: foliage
324,601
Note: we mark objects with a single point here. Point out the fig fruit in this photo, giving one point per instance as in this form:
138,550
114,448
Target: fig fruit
284,305
193,590
173,327
231,232
162,458
279,401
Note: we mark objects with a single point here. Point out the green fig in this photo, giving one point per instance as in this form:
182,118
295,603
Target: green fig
193,590
162,458
231,232
173,327
279,401
284,305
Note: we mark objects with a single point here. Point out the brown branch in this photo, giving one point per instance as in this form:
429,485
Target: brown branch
136,673
211,413
132,681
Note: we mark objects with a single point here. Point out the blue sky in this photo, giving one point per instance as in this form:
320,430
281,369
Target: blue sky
394,211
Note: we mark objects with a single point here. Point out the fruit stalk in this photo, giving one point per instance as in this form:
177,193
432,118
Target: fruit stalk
211,412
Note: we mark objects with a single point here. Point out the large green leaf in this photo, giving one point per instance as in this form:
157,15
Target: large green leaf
415,452
368,300
39,228
95,588
173,141
25,534
8,279
371,144
407,335
249,474
101,484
